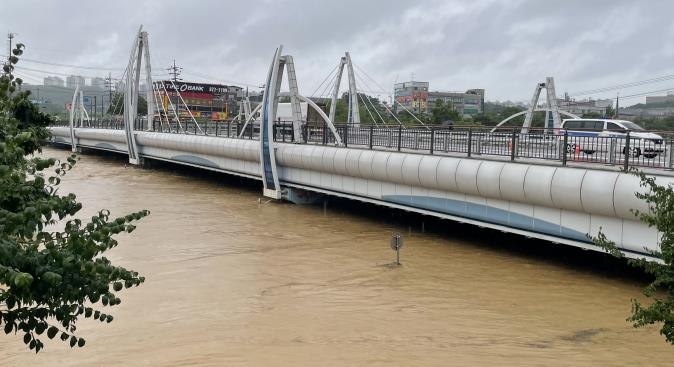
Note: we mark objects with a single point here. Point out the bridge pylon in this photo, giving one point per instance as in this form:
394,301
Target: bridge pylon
354,111
78,116
553,114
269,108
140,52
552,117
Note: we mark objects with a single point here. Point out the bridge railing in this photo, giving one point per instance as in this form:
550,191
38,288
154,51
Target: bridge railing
626,149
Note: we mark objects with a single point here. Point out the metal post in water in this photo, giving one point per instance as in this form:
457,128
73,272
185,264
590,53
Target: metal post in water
396,245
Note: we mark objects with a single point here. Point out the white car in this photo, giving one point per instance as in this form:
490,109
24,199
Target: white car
591,135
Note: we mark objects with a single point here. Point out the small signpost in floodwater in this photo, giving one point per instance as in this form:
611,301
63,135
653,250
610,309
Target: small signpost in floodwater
397,244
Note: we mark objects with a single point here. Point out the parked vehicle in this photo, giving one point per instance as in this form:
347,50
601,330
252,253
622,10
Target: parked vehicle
591,135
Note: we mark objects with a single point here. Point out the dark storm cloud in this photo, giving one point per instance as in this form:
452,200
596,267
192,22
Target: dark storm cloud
503,46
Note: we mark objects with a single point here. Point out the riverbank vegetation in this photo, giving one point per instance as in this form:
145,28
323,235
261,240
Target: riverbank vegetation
49,279
660,291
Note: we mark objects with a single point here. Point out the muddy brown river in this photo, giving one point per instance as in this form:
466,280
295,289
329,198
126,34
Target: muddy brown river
237,281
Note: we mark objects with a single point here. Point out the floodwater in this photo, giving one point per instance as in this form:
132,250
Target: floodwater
237,281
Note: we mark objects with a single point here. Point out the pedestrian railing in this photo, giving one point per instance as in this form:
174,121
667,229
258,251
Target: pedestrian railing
630,149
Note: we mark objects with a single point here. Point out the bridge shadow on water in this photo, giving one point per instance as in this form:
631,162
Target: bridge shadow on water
529,249
593,263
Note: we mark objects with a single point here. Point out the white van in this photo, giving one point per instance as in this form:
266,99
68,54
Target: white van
591,135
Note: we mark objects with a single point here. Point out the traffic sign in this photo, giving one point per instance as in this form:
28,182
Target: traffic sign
396,242
396,245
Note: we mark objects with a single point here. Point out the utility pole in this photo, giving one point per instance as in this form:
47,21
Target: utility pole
108,84
10,37
175,71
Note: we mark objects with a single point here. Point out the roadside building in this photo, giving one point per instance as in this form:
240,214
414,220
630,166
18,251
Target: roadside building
411,96
587,106
660,99
468,103
74,81
98,83
53,81
416,97
204,101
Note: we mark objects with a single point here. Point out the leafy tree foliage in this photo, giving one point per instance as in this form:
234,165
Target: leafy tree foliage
610,111
117,105
592,115
652,123
443,111
660,215
49,278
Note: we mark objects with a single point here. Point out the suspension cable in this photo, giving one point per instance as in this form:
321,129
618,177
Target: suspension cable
367,109
324,80
186,107
173,107
370,101
386,107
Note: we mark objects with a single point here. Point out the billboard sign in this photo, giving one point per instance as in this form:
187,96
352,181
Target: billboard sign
190,87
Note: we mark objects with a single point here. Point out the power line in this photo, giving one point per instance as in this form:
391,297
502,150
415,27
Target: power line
646,93
68,65
49,72
224,81
624,85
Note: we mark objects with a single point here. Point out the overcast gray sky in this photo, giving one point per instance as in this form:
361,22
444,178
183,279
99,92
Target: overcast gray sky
502,46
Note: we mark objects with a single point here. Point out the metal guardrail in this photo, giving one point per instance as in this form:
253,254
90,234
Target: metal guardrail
564,146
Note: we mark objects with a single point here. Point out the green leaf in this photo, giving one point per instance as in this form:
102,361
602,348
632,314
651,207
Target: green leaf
52,278
73,341
23,280
51,332
80,342
9,326
11,302
117,286
27,338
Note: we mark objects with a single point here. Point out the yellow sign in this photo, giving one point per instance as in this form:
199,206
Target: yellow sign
219,116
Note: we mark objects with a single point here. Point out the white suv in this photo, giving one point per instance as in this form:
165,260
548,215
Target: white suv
590,135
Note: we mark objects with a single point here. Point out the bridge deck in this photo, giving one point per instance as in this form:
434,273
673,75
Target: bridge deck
608,153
